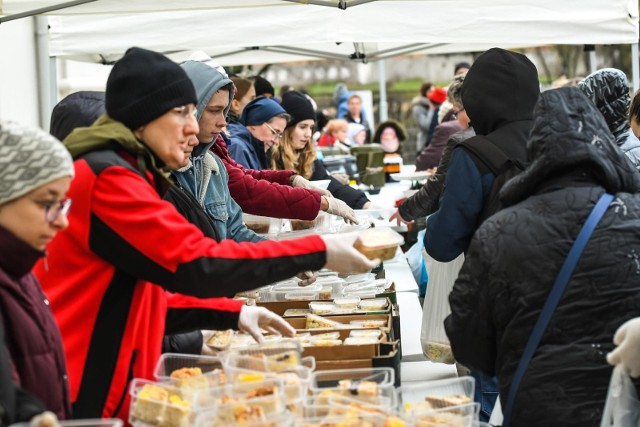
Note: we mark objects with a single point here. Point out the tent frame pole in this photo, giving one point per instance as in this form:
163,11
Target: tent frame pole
635,67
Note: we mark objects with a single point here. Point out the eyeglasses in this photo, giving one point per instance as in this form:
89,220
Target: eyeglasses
186,111
455,114
275,133
53,211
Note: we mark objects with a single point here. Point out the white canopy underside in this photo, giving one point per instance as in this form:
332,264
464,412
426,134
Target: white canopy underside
268,31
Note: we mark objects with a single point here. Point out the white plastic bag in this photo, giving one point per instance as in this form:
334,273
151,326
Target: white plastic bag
622,408
442,276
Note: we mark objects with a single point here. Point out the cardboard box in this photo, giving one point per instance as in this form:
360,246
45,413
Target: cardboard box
387,355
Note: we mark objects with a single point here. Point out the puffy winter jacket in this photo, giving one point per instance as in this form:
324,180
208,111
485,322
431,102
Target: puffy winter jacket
430,156
267,192
516,255
33,340
608,89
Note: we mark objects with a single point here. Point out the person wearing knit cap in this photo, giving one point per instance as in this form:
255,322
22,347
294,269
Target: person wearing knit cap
35,173
279,194
297,151
263,87
144,262
499,93
260,127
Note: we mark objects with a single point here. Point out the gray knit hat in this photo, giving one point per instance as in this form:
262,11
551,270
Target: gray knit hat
29,158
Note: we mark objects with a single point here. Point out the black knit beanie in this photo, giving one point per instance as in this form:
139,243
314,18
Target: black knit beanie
263,86
298,106
144,85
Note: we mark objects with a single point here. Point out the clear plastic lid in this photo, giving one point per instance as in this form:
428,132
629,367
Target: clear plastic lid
361,340
262,224
437,394
378,243
347,302
374,304
322,308
169,363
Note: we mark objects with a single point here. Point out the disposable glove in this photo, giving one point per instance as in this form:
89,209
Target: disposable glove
343,257
45,419
307,278
399,220
340,208
253,319
627,354
207,350
301,182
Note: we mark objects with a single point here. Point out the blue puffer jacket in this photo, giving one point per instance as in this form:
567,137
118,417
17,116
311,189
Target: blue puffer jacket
206,177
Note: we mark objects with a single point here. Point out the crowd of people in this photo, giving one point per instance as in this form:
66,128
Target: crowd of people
126,239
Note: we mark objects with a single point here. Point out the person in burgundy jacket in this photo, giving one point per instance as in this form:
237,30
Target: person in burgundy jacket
35,171
108,275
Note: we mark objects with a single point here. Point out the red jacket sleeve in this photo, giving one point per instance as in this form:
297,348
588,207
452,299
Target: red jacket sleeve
262,197
187,313
132,228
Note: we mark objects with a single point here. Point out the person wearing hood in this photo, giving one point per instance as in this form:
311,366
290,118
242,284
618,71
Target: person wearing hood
423,111
609,90
260,127
297,151
145,262
36,171
516,254
390,135
498,93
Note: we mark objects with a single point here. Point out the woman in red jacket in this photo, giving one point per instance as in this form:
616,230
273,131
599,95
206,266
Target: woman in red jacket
107,276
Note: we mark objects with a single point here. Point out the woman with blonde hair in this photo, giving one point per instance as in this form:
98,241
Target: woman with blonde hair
296,151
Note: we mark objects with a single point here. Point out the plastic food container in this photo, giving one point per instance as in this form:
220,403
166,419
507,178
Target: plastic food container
322,308
296,312
356,278
323,343
87,422
347,302
461,415
336,284
360,340
262,224
220,340
429,395
375,333
333,378
302,295
315,322
171,362
379,242
375,304
289,289
373,323
159,404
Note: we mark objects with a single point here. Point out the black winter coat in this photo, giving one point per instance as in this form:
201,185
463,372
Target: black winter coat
516,254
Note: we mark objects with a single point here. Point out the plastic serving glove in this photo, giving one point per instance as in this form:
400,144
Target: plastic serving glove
627,354
343,257
253,319
301,182
340,208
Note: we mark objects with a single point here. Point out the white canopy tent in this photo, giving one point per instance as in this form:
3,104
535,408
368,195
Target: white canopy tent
268,31
251,31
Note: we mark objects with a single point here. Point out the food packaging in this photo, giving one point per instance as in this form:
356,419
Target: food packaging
360,340
375,304
375,333
315,322
347,302
378,243
368,323
220,340
262,224
322,308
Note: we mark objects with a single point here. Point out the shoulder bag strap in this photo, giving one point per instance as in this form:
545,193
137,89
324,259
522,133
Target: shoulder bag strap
554,297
